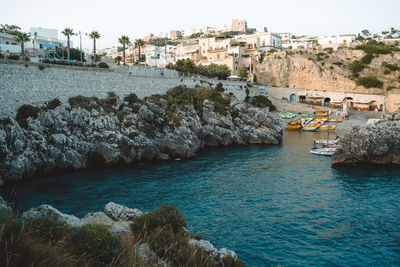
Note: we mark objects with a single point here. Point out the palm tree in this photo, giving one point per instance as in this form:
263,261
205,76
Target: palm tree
139,43
117,60
68,32
22,37
94,35
124,40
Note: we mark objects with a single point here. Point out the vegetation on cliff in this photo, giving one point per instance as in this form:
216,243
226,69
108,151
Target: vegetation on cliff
49,242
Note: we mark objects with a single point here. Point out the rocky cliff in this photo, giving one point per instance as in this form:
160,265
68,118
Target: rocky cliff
325,71
377,143
92,132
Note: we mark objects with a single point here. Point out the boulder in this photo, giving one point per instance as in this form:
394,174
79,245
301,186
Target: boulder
210,250
47,211
121,213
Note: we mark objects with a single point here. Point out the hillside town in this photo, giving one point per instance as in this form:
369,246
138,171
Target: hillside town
234,46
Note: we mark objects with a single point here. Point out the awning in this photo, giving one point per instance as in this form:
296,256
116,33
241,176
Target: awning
233,77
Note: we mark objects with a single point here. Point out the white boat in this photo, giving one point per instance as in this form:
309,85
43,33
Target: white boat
305,121
324,151
326,142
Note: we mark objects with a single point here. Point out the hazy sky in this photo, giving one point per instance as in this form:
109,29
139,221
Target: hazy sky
139,18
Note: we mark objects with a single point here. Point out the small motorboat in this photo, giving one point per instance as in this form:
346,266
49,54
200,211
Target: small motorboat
293,127
336,120
324,151
326,142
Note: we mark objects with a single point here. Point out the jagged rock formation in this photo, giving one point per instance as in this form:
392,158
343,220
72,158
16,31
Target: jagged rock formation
377,142
305,69
127,132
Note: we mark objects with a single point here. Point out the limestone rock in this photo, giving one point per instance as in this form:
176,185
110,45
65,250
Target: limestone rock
121,213
377,142
213,252
47,211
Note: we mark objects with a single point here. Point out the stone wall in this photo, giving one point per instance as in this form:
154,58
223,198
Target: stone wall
27,84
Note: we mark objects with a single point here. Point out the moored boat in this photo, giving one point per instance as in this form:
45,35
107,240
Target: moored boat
324,151
326,142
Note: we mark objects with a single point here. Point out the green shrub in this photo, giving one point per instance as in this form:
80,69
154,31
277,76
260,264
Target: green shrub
24,112
392,67
96,242
366,60
373,47
369,82
52,104
262,101
88,103
331,67
111,94
220,87
13,57
355,67
390,87
163,230
386,72
131,99
103,65
309,58
5,121
338,63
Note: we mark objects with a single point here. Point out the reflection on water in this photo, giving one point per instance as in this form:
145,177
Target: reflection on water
271,204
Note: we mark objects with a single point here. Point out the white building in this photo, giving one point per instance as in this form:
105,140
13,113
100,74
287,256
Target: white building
335,42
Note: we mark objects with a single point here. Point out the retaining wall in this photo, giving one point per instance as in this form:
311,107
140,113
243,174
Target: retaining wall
22,83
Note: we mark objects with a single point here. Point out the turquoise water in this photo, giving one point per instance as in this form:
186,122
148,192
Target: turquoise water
270,204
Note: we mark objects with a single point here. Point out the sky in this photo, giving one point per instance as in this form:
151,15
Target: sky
139,18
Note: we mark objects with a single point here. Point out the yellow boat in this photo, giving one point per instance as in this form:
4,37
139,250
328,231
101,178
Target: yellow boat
293,127
322,112
327,127
334,120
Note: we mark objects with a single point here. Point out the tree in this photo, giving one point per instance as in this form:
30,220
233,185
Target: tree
124,40
365,33
117,60
94,35
385,32
22,37
242,72
138,44
68,32
10,29
75,54
393,31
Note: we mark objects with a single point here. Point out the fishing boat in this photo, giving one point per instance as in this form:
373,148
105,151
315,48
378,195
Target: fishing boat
305,121
328,146
334,120
293,125
327,127
324,151
314,125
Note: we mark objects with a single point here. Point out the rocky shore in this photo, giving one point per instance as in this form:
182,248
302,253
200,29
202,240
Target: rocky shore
377,142
120,222
90,132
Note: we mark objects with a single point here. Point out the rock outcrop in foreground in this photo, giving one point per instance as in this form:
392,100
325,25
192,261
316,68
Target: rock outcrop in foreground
120,222
377,143
91,132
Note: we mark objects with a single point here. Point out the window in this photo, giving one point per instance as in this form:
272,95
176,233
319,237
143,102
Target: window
204,51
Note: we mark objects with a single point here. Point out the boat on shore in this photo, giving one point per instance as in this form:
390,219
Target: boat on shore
327,127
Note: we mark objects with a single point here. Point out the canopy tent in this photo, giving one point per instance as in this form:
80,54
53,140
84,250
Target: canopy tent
233,77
